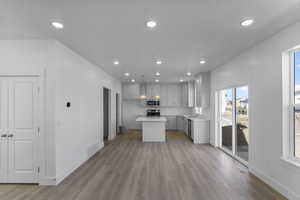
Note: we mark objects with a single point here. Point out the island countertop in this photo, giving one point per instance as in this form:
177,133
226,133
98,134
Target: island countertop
151,119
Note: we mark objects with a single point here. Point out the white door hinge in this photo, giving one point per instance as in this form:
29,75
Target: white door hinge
38,130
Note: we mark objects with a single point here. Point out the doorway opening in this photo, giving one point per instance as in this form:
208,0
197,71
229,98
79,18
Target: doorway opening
118,131
106,114
233,122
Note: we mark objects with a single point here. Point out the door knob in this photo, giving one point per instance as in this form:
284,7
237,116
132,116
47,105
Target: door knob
3,135
10,135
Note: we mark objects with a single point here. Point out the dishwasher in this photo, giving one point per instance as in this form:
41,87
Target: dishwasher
190,128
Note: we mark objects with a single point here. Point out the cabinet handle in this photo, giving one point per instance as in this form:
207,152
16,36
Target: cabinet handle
10,135
3,135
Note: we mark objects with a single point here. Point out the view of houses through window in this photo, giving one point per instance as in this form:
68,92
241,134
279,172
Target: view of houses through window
297,103
242,122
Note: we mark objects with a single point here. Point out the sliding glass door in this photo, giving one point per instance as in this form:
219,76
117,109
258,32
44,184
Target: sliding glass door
226,118
234,121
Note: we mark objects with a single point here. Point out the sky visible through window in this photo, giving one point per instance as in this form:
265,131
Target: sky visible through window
242,92
297,77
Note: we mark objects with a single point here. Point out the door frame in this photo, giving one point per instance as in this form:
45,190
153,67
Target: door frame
41,143
101,86
218,123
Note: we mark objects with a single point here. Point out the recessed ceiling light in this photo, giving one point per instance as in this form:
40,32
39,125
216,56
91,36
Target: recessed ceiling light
116,62
157,74
126,74
181,80
158,62
151,24
57,25
132,80
202,62
156,80
247,22
189,73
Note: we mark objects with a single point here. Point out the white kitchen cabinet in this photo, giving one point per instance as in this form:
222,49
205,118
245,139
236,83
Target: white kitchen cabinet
153,90
149,88
174,95
191,93
130,91
200,131
164,95
202,86
184,94
156,90
143,88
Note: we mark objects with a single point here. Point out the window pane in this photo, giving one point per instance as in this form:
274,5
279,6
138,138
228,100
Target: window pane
242,122
226,118
297,133
297,101
297,77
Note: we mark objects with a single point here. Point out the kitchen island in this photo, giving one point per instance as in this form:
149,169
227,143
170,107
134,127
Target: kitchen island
154,128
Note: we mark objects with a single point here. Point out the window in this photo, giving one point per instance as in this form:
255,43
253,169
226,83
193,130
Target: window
295,101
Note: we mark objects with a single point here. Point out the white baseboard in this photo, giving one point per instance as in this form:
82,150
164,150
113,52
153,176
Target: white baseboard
291,195
61,176
47,181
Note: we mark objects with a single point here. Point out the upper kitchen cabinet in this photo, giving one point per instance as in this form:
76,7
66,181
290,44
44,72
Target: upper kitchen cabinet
153,91
188,94
184,95
191,93
164,95
202,87
174,95
130,91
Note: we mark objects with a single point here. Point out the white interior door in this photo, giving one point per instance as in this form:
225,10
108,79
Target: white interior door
22,136
3,130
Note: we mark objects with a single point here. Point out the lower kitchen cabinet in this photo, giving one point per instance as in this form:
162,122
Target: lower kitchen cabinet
199,127
200,131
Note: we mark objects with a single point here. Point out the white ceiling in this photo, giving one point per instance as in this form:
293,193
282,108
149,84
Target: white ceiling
187,31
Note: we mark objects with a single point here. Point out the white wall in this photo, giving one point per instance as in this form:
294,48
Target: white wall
261,68
71,134
80,128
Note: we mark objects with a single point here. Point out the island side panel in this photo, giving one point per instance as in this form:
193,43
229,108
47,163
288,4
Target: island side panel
154,132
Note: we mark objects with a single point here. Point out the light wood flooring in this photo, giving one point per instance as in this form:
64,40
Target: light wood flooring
127,169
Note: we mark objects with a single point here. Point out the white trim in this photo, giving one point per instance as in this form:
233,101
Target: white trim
291,195
293,161
217,142
48,181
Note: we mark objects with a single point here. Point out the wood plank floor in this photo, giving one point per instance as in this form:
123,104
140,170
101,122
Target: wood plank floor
127,169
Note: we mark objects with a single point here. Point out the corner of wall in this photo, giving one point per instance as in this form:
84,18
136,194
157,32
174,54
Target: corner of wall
274,184
60,176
